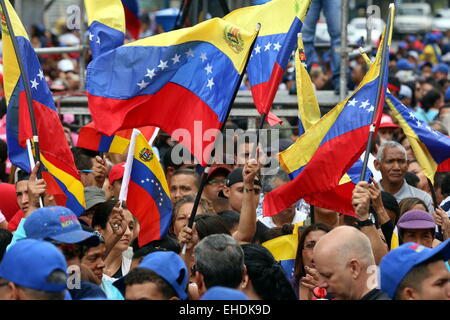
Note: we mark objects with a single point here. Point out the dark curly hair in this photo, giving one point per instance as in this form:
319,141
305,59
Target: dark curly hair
268,277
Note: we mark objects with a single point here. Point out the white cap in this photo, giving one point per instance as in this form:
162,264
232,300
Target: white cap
65,65
413,54
405,91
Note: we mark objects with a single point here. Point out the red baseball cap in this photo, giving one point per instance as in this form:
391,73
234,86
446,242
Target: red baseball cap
116,172
218,169
386,122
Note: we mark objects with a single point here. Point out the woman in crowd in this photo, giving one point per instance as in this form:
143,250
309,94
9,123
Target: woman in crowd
118,237
303,261
266,277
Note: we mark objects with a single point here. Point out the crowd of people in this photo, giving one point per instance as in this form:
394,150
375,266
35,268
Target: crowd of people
47,252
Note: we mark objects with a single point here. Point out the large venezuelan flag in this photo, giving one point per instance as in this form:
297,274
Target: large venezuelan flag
54,149
431,148
281,21
133,23
182,81
106,21
89,138
148,193
332,145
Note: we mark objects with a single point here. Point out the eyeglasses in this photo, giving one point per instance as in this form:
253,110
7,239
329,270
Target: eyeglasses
218,181
309,245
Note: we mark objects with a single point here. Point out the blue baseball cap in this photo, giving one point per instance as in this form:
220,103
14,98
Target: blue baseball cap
223,293
399,262
440,67
29,262
404,64
169,266
57,223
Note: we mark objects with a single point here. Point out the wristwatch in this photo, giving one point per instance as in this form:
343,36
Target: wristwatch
365,223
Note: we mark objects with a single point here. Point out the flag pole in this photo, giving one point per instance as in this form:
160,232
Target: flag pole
32,165
384,56
204,177
128,165
25,84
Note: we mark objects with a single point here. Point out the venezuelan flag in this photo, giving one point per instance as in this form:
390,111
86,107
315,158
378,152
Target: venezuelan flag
89,138
331,146
133,23
284,250
106,21
148,193
431,148
181,81
55,152
308,106
281,21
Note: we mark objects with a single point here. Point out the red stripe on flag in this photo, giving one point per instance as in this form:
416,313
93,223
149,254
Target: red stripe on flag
339,199
144,208
264,94
52,140
323,172
444,166
172,108
54,189
89,138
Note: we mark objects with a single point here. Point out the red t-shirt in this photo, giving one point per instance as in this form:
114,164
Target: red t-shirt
8,200
15,220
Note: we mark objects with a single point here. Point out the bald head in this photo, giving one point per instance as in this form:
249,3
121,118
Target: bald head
343,258
345,243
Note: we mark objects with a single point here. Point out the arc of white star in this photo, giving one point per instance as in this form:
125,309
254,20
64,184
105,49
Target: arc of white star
371,109
142,84
150,73
208,68
147,179
91,36
257,49
353,102
277,46
98,40
364,104
162,64
419,124
412,115
142,181
176,58
267,46
41,74
203,56
190,53
210,83
34,84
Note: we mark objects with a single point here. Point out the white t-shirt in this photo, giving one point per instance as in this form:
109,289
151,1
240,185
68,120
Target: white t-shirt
268,221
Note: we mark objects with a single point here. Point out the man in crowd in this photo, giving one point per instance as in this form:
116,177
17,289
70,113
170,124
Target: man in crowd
392,163
161,275
33,270
217,179
219,261
415,272
344,257
183,182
